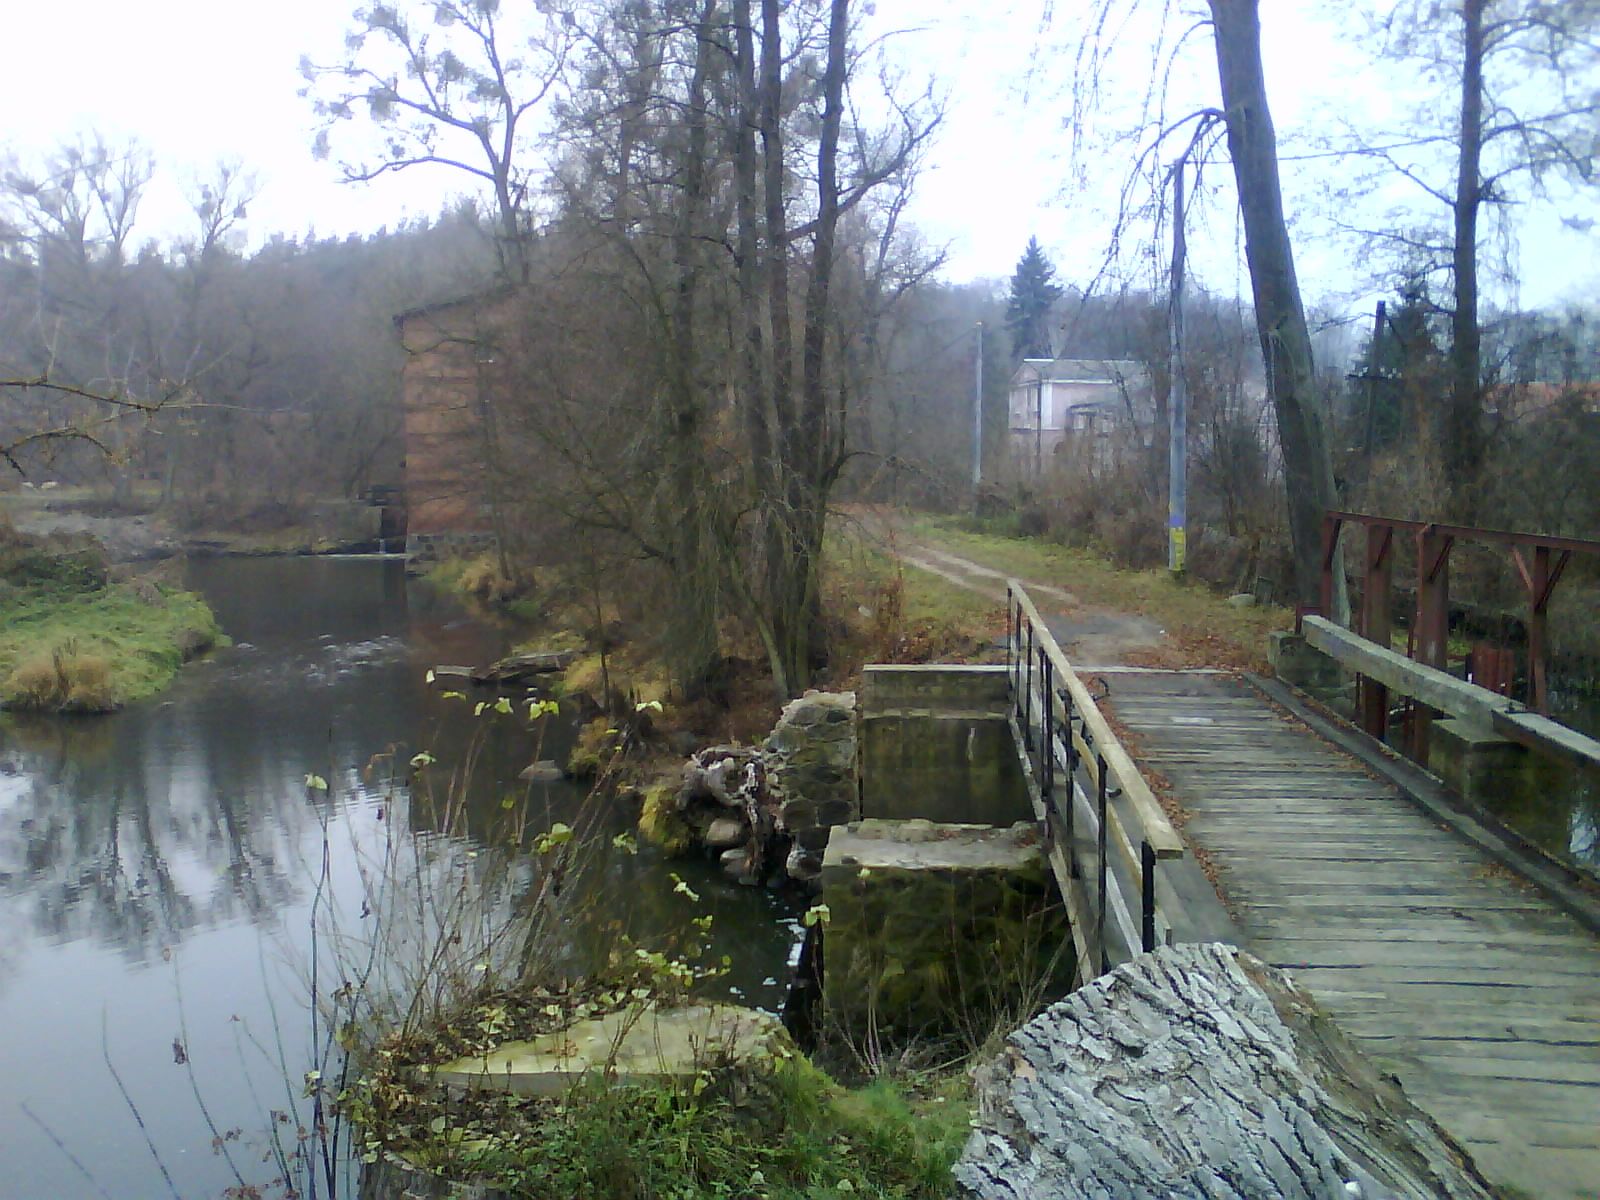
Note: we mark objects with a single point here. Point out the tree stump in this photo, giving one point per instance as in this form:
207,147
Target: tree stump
1199,1071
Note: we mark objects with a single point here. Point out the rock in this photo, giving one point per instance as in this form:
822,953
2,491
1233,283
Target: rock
631,1047
546,770
452,674
811,761
1242,600
725,832
1198,1071
803,865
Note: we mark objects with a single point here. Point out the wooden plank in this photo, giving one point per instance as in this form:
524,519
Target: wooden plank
1461,960
1461,930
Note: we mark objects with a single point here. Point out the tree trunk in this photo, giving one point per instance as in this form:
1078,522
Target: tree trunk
1280,320
1463,424
693,631
1199,1071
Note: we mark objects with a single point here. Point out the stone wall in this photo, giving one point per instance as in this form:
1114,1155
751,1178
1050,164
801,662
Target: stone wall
810,759
936,745
937,929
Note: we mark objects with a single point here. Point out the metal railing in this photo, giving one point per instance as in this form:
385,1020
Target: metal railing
1430,622
1105,832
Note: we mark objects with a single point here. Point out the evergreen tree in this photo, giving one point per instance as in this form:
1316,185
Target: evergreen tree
1034,293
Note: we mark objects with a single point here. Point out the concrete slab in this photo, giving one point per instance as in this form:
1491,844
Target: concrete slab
633,1046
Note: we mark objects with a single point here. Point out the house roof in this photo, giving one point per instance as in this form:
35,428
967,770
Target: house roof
1079,370
486,298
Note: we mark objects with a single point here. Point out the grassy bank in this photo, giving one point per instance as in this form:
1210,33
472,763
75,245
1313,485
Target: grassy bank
1202,628
780,1130
73,641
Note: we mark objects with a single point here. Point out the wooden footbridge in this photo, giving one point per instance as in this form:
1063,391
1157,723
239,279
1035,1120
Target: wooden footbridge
1453,956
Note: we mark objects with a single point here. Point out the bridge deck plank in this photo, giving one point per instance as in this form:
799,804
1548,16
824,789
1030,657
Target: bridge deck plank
1480,993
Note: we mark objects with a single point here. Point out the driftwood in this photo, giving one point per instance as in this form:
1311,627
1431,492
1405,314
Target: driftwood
1198,1071
519,668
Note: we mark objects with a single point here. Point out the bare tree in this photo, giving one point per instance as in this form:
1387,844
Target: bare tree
1252,150
449,84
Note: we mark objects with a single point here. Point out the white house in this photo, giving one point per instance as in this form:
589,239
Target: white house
1084,400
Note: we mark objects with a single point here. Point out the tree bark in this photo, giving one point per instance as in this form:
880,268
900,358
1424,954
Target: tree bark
1199,1071
1463,424
1280,319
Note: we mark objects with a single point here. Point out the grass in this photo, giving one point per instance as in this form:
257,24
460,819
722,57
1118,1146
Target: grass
778,1130
881,612
69,647
1202,628
792,1136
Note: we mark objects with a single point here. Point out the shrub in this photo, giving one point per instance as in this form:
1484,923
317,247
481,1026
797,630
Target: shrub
62,681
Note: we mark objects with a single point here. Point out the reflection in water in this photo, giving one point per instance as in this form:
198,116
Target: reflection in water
159,868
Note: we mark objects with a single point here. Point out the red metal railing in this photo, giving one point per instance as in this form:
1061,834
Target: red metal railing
1540,561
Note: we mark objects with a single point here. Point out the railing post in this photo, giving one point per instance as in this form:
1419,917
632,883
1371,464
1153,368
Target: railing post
1376,618
1100,866
1540,585
1330,549
1014,648
1047,763
1147,888
1027,694
1433,621
1072,788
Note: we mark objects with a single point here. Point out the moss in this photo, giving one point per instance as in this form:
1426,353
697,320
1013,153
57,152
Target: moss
95,648
593,749
660,822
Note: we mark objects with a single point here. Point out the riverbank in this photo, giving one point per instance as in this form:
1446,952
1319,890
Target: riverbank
143,532
74,640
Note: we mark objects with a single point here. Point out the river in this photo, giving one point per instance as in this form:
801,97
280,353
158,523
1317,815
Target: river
159,868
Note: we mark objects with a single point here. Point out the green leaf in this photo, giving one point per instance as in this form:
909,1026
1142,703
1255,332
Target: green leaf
817,914
503,705
316,783
424,759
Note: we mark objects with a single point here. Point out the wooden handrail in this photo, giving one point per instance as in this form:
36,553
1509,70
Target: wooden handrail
1443,691
1154,826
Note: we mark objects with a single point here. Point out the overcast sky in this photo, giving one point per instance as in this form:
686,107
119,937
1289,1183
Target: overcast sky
199,80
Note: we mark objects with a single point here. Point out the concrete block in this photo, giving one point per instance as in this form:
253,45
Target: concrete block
934,687
1299,664
631,1046
1476,763
934,927
941,767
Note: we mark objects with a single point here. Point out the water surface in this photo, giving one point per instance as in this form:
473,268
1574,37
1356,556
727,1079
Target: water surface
159,868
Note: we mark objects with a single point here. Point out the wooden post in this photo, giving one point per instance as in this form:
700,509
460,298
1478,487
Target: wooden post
1376,620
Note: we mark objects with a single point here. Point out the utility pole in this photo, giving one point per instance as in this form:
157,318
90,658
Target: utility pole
1373,361
977,426
1178,430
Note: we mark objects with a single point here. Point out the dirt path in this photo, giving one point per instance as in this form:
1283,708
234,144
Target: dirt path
1092,637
